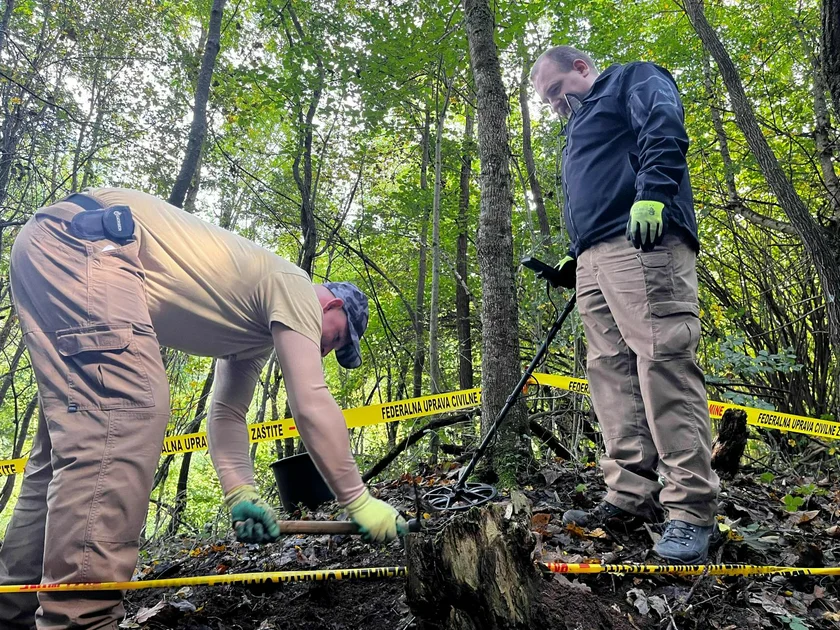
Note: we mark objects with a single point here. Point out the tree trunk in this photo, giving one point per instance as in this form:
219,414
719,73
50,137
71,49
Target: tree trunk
730,443
462,300
304,181
163,469
420,297
822,126
198,127
734,201
434,301
266,391
13,366
500,369
4,24
23,429
184,474
477,573
814,238
435,376
528,155
831,50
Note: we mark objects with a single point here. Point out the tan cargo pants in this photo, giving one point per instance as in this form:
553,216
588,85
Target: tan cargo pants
640,316
104,406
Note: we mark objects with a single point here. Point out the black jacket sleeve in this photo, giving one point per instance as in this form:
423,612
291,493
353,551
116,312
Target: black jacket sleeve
656,116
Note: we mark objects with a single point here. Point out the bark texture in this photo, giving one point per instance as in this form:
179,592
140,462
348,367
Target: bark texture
476,573
730,443
198,127
500,369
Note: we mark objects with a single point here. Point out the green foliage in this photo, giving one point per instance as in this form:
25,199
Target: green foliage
792,503
100,93
767,477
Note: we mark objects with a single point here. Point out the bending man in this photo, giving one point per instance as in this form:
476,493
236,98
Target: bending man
102,280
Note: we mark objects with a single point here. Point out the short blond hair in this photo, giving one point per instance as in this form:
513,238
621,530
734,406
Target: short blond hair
564,57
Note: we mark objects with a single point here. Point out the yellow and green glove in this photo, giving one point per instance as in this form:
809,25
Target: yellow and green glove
253,519
378,521
647,224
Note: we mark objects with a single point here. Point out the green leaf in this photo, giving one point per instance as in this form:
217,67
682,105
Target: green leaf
792,503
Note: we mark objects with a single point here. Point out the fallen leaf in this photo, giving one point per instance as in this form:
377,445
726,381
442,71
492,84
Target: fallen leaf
805,517
637,597
658,604
550,476
770,606
183,605
577,530
598,533
539,521
144,614
520,502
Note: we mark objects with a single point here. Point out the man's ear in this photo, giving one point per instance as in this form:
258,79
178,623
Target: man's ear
333,304
581,66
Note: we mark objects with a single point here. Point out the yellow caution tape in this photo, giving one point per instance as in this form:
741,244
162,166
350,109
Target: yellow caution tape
826,429
247,579
687,569
463,399
241,579
279,429
12,466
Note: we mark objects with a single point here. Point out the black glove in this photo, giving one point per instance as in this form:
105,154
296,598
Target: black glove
567,271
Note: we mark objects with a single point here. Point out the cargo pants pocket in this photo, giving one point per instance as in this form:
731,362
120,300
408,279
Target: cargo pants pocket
104,369
675,319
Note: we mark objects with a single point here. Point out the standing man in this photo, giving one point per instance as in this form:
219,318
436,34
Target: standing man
100,282
630,216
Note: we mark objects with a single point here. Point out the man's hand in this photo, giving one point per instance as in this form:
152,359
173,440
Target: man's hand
378,521
253,519
647,224
567,272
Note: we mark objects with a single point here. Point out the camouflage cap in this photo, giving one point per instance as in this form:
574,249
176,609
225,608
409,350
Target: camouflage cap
356,308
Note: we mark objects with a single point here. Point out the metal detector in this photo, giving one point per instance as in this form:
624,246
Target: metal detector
463,495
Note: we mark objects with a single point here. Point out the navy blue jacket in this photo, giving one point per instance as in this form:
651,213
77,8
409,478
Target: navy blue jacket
626,142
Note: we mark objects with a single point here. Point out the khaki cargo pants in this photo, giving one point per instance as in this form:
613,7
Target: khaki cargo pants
104,406
640,315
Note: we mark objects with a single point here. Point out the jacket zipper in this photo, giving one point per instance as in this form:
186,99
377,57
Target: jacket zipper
573,233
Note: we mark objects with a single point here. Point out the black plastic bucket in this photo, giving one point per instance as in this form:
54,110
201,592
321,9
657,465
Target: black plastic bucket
299,481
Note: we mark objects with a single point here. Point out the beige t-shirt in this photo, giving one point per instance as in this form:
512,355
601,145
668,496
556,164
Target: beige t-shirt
212,292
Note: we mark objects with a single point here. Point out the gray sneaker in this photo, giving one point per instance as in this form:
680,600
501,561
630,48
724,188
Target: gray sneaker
605,514
684,543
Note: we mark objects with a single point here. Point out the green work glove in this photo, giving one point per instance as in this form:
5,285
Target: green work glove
253,519
567,271
647,224
378,521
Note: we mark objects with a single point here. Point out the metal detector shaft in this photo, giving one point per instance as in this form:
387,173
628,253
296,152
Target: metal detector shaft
516,393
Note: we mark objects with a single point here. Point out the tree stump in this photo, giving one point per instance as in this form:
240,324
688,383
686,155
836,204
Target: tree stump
730,443
478,573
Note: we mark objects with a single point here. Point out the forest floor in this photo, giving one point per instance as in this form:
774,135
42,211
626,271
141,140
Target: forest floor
756,521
